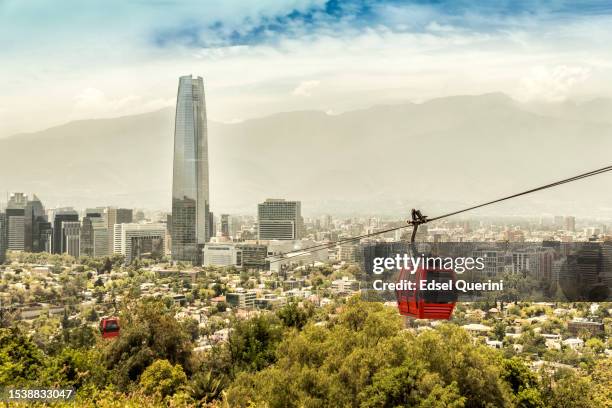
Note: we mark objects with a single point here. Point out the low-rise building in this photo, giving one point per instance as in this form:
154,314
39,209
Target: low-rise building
345,285
577,325
221,254
241,299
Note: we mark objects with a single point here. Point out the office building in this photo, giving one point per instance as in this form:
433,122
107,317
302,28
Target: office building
3,237
15,229
17,200
34,218
15,215
46,237
62,215
242,300
116,216
100,237
225,228
95,236
212,226
71,238
95,212
347,252
190,190
139,216
253,255
570,224
279,219
87,234
221,255
136,241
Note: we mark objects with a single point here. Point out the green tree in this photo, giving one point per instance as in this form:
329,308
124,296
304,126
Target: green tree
149,331
518,375
499,331
292,315
252,342
476,369
409,385
75,368
162,378
21,361
570,391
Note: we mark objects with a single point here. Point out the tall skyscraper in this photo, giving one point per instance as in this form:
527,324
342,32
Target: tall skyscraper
190,196
279,219
35,219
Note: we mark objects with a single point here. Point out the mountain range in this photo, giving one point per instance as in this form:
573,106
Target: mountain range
440,155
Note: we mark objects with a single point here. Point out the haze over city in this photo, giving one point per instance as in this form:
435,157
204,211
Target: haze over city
379,74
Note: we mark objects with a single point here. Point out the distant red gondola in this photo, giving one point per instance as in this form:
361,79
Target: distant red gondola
109,327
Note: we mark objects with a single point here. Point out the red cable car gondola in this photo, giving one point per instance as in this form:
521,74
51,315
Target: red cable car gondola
109,327
426,304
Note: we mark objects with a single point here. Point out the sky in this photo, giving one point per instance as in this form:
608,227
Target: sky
74,59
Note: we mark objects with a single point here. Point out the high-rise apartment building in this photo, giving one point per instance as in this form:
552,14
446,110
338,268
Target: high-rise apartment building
279,219
190,194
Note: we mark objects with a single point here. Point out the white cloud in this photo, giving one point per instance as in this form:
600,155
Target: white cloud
305,88
87,75
551,84
92,102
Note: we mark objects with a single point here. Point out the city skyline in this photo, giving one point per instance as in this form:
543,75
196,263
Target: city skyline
306,203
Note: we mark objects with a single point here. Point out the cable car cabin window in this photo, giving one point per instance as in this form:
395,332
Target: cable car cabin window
111,326
440,296
411,278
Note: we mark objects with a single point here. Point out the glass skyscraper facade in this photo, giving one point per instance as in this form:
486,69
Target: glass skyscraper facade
190,197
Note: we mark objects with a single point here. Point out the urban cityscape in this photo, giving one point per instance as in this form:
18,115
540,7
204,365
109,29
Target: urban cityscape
74,269
306,204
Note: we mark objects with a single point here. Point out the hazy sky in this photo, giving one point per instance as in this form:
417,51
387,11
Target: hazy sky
73,59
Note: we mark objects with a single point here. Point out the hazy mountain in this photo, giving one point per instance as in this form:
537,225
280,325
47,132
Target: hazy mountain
439,154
